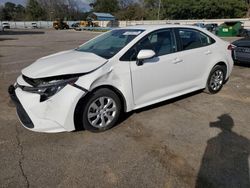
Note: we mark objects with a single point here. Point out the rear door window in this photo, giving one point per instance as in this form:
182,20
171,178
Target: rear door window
191,39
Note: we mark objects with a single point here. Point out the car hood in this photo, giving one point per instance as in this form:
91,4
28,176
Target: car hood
63,63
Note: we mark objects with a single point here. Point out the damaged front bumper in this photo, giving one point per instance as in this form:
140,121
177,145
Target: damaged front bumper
22,114
53,115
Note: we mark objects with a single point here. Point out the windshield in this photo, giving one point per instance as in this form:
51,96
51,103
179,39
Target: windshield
110,43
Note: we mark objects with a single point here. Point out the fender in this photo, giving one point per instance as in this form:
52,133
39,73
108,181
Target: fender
210,67
118,77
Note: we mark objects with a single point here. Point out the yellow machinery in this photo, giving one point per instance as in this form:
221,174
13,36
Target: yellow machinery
88,24
60,24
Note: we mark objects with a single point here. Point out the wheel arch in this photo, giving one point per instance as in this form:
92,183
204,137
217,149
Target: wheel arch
221,63
77,112
225,67
116,91
222,66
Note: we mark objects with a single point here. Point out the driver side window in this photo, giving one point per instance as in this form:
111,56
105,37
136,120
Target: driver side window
161,42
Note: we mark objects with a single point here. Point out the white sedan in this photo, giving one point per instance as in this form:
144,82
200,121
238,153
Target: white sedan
119,71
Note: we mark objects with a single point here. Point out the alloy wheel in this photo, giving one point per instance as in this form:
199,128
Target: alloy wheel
216,80
102,112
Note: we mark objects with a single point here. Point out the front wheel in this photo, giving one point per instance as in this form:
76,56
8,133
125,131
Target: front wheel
101,110
216,79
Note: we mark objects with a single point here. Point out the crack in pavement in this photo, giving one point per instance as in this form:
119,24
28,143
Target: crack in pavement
19,145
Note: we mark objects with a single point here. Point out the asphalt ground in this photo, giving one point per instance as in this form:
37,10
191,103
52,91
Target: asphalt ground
197,140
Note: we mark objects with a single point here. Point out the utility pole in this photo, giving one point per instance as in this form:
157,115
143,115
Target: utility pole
248,8
159,9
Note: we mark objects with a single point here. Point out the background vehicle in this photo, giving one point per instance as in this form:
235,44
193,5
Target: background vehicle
89,23
74,25
241,51
5,25
34,25
199,24
60,24
211,27
119,71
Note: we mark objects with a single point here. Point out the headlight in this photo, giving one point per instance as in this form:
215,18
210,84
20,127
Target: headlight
50,91
50,88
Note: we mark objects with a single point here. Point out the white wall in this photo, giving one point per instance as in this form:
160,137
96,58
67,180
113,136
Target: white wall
246,22
28,24
49,24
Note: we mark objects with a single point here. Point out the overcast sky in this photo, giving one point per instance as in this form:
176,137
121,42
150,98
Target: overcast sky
81,3
13,1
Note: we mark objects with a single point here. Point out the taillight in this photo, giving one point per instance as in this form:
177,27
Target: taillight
230,47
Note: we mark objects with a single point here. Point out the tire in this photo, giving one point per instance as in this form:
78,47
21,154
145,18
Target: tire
101,110
216,79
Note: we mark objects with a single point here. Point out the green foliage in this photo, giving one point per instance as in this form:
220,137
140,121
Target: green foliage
199,9
34,10
11,11
131,12
127,9
151,9
109,6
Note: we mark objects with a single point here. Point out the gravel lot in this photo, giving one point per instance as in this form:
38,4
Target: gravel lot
197,140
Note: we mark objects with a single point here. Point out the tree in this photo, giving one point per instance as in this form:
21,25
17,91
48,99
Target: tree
248,7
201,9
34,10
8,11
151,9
127,9
20,12
131,12
109,6
11,11
126,3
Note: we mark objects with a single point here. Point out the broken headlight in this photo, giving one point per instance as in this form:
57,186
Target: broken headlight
47,89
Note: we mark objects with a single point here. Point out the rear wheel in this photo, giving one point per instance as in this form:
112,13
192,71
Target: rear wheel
101,110
216,79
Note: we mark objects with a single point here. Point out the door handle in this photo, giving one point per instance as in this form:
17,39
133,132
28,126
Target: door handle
208,52
177,60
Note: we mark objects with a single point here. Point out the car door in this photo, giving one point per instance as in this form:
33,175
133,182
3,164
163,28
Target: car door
196,53
173,71
160,76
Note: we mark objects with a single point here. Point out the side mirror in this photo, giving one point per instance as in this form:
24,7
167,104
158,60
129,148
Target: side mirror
144,54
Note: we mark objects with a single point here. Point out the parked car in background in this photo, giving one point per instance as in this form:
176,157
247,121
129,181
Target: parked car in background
119,71
199,24
76,24
5,25
211,27
241,50
34,25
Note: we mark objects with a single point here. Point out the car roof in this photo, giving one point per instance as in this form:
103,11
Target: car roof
156,27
